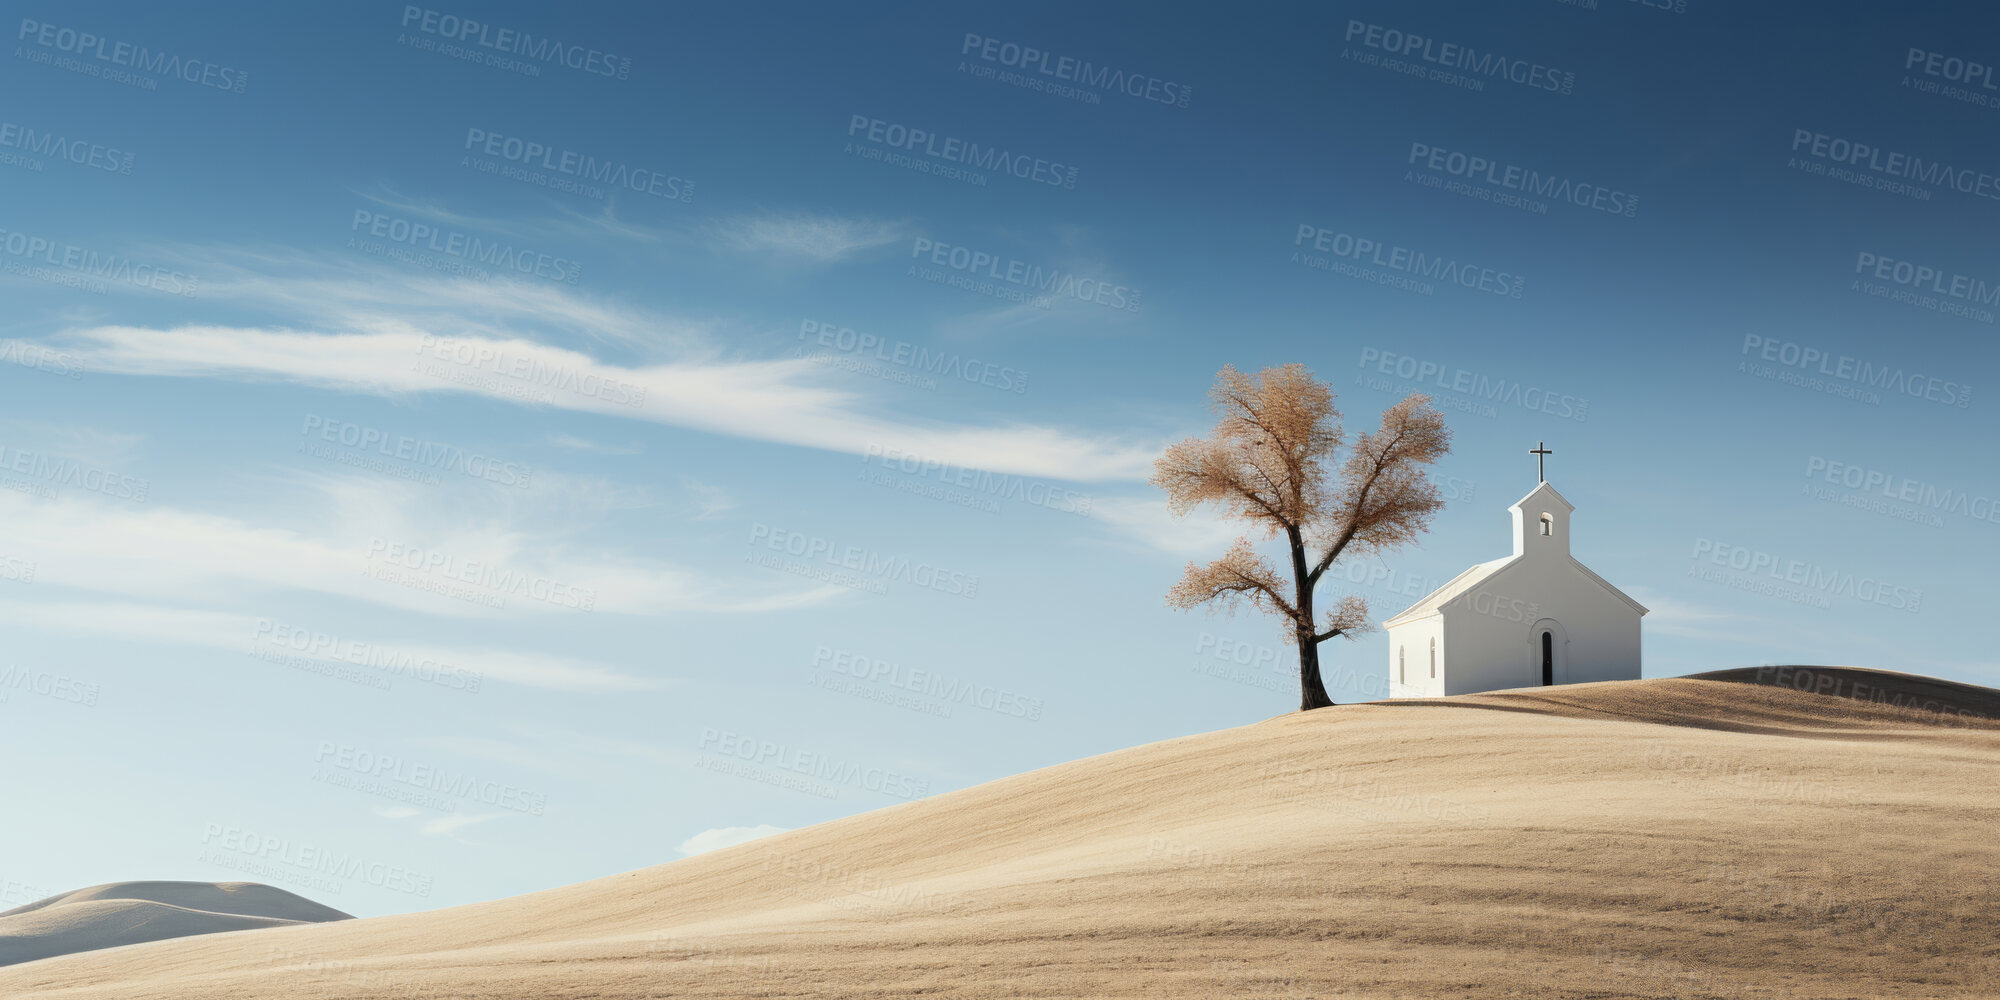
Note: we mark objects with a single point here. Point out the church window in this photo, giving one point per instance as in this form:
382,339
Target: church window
1434,657
1402,674
1548,524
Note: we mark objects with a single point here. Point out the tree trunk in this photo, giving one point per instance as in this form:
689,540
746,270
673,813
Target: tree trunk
1312,691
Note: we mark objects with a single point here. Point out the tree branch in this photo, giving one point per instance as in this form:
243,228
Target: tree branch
1245,584
1346,535
1350,619
1240,572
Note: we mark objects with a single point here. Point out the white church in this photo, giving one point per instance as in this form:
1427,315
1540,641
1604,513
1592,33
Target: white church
1537,617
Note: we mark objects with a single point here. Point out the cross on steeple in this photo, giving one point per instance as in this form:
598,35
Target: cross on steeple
1541,452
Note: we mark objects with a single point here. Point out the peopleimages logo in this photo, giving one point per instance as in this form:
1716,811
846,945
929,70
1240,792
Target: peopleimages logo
1904,166
1810,579
960,151
43,359
105,266
1926,278
499,256
389,767
765,753
484,356
1847,369
61,147
516,43
48,685
932,683
1406,261
1950,68
83,44
1513,178
584,167
916,357
446,566
313,858
1068,70
1922,494
1004,485
417,451
1047,281
1461,58
867,562
322,646
65,472
1436,375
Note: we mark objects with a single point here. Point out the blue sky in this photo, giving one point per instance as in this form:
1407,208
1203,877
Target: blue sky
276,459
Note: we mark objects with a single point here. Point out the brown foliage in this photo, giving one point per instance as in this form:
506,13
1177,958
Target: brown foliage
1267,464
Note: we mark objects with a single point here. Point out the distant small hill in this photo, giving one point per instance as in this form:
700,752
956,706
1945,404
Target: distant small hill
119,913
1880,688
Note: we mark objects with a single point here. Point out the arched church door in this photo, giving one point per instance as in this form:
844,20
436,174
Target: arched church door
1548,659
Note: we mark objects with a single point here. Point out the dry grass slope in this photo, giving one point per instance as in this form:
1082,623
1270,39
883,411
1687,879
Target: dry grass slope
1800,832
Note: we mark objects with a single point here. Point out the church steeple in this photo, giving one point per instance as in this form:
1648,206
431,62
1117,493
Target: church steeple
1541,522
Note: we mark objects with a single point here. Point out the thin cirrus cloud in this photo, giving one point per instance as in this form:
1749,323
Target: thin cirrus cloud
570,442
364,551
1148,521
564,222
816,237
386,332
235,633
154,572
727,836
820,238
710,502
782,401
448,826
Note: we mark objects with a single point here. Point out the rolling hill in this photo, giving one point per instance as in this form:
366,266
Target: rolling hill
1785,832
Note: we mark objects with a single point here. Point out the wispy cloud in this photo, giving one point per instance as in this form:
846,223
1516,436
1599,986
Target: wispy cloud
1069,313
181,625
358,293
351,324
571,442
1678,616
564,222
822,238
447,826
727,836
710,502
786,401
164,573
366,541
1199,535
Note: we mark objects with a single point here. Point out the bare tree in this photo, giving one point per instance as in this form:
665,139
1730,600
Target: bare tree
1267,464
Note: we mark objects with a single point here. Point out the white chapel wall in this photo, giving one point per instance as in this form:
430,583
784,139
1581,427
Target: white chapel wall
1413,640
1490,629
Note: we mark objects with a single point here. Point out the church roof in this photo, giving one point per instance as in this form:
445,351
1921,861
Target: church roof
1606,584
1457,585
1466,581
1544,487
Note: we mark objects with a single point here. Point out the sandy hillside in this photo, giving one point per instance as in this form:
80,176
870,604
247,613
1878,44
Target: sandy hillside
1696,837
120,913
